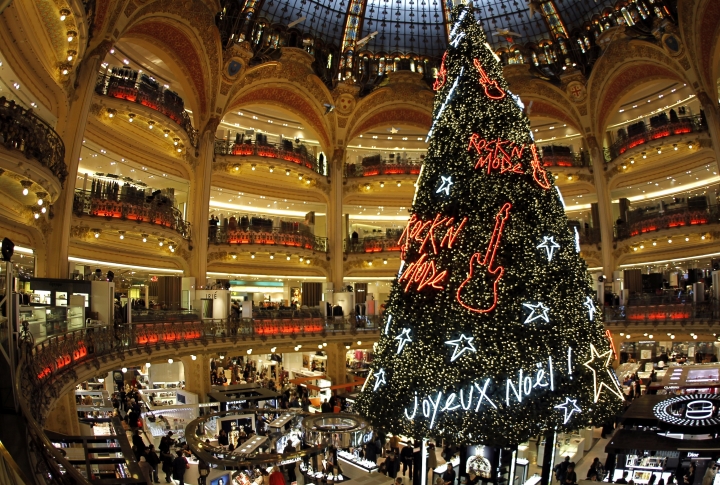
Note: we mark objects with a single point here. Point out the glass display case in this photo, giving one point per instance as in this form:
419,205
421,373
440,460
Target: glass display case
175,420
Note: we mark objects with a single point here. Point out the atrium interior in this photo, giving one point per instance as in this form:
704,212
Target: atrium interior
210,202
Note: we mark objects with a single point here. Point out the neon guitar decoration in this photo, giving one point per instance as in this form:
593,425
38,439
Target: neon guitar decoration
486,264
441,75
492,89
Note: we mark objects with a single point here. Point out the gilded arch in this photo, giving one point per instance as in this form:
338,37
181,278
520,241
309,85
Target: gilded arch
391,115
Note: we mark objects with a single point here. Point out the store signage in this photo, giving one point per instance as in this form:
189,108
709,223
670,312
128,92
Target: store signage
695,410
692,454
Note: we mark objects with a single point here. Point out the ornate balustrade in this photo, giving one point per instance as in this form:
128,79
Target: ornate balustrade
386,167
668,312
131,208
682,126
45,369
161,100
650,223
564,160
299,157
21,129
274,237
372,245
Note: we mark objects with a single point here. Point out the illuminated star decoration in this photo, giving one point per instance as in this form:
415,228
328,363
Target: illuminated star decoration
393,130
591,307
603,375
461,345
537,311
550,246
569,406
379,379
403,338
445,186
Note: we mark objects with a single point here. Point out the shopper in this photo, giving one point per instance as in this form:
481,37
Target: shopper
406,458
561,469
203,472
570,475
154,461
290,467
370,452
448,476
223,438
276,477
395,444
179,465
392,465
146,470
166,463
623,479
139,444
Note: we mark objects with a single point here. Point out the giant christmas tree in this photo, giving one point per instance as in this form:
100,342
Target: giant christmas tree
492,333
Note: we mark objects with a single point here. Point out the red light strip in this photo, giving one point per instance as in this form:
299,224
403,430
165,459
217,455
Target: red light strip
488,262
424,273
608,334
539,173
441,75
492,89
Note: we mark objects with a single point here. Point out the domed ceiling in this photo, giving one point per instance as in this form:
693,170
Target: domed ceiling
419,26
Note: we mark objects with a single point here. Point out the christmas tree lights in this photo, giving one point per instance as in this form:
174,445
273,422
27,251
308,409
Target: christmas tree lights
492,334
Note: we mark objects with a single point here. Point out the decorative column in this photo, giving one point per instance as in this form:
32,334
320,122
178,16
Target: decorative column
198,209
712,116
335,218
335,368
604,205
71,128
197,375
63,417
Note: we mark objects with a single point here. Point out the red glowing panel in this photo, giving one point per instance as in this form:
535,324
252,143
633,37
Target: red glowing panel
486,265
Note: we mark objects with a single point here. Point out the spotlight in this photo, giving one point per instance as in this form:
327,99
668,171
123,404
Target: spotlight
324,344
287,171
64,14
147,364
632,160
249,351
166,133
26,184
359,342
319,346
122,234
131,117
644,155
124,370
97,233
399,184
272,350
675,147
71,55
161,241
193,357
272,255
233,255
36,215
272,169
301,259
176,141
252,255
43,210
287,257
144,237
40,197
71,35
690,145
659,150
650,336
111,112
253,166
170,361
236,167
382,185
151,124
307,261
384,261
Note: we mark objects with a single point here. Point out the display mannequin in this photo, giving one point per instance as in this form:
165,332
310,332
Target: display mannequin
234,435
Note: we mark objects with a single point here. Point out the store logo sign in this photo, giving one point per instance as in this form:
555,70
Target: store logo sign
690,410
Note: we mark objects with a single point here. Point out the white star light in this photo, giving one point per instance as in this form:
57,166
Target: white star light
540,308
591,307
569,406
604,371
393,130
379,379
461,345
403,338
445,186
549,245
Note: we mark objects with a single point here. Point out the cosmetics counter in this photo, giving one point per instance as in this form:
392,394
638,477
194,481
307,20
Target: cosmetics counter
572,445
662,435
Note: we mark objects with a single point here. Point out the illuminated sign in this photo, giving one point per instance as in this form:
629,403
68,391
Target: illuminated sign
690,410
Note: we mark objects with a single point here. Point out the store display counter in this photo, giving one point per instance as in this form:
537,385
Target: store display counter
355,460
251,445
281,421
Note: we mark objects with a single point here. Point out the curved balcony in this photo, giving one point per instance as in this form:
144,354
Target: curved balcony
124,84
372,166
274,237
563,156
21,130
372,245
652,222
660,127
298,155
48,369
152,210
663,310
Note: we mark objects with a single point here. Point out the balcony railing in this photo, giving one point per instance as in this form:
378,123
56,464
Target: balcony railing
385,167
372,245
556,159
298,156
682,126
670,312
274,237
650,223
21,129
124,84
160,211
47,367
